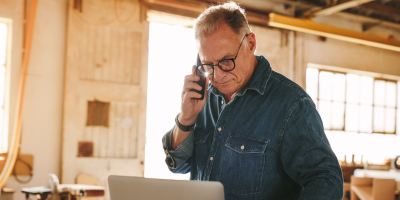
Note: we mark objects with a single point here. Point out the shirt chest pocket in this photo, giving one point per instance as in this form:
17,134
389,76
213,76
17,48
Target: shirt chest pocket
243,165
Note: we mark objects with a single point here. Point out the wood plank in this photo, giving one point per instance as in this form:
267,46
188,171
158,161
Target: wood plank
111,132
363,192
310,27
339,7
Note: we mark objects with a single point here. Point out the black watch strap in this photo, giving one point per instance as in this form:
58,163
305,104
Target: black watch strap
182,127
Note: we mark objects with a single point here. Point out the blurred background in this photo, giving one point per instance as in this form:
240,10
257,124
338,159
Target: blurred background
91,86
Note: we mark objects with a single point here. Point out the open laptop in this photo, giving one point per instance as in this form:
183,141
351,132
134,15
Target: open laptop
138,188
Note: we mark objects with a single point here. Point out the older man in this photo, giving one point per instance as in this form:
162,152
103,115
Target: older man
256,131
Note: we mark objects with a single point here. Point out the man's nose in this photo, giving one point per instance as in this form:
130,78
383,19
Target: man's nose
219,73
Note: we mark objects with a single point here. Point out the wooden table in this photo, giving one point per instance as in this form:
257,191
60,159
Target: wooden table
77,191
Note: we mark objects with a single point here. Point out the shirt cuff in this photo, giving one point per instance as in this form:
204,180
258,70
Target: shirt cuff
181,154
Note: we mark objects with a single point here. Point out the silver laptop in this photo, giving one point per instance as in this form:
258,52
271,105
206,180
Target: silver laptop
137,188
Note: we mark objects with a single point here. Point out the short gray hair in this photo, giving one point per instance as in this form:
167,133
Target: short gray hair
213,17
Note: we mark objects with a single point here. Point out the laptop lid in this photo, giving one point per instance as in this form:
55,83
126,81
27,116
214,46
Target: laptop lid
138,188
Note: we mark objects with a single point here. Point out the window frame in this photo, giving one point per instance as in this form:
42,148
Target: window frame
375,76
4,133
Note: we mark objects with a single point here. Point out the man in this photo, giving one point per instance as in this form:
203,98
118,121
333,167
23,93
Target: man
256,131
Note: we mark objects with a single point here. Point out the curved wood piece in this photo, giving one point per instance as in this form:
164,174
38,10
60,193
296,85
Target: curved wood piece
16,137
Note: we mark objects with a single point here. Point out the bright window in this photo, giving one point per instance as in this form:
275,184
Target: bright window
3,69
172,53
359,113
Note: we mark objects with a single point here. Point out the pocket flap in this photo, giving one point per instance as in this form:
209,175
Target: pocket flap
246,145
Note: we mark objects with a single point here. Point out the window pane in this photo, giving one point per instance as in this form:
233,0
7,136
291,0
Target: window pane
353,89
337,116
3,43
366,86
339,87
366,119
3,137
379,115
390,94
325,112
352,117
325,85
398,110
2,82
390,116
312,83
379,92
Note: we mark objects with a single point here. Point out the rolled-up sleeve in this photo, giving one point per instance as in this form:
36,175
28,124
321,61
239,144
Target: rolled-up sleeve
307,156
178,160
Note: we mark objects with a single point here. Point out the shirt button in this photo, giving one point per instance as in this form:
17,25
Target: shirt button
242,147
211,158
219,129
222,102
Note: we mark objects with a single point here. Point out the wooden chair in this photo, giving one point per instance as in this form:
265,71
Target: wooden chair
372,189
86,179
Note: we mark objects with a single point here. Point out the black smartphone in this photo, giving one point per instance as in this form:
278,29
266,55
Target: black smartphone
202,81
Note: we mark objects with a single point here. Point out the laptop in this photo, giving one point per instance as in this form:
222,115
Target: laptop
138,188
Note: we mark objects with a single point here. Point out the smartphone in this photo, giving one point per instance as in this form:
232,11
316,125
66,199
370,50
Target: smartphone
202,81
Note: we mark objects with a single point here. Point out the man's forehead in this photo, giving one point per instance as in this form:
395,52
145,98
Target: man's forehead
213,49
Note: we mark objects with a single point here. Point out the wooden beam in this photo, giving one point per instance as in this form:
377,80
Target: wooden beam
359,18
308,26
16,136
339,7
382,8
195,8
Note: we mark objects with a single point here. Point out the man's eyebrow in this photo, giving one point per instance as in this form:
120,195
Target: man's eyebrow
224,57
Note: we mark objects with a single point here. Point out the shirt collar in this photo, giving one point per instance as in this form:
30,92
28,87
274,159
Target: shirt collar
258,80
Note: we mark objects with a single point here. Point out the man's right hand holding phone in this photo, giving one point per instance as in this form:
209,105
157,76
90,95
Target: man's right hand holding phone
190,106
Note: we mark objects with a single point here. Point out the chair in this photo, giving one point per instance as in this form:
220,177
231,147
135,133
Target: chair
372,188
53,184
86,179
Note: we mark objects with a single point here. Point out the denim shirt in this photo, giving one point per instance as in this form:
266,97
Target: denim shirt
267,143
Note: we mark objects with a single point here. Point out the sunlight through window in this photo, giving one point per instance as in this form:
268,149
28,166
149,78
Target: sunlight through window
3,48
358,112
172,53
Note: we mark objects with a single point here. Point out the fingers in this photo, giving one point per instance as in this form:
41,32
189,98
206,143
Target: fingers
190,85
191,78
191,94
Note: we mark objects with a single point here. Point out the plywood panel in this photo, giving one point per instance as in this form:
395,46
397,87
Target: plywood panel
119,140
111,54
106,61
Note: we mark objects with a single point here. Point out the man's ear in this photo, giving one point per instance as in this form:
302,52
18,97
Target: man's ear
252,42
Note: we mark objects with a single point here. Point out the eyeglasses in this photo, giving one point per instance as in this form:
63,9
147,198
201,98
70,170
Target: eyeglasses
225,65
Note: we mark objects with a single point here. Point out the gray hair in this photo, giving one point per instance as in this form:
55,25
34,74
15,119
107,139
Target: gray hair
213,17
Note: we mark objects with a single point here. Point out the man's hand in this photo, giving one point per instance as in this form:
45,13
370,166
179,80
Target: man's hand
190,108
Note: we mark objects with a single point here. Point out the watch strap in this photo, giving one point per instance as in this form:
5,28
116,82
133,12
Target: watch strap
182,127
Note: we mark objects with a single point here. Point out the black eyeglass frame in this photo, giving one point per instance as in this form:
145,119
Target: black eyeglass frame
233,60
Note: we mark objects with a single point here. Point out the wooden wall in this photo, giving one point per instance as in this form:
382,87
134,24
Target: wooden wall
106,61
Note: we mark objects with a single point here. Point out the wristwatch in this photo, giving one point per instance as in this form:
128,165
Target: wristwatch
182,127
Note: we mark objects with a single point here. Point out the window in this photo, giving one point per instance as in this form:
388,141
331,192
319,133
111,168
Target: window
359,112
4,44
172,53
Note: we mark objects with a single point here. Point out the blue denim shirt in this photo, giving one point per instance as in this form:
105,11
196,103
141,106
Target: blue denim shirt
267,143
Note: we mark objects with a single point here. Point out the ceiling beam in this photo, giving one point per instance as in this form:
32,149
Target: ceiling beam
339,7
193,9
310,27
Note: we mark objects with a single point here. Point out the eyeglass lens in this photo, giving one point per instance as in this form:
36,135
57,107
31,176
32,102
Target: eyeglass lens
225,65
